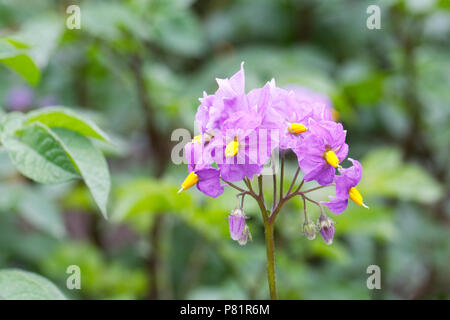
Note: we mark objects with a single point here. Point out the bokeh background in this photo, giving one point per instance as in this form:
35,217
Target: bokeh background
138,67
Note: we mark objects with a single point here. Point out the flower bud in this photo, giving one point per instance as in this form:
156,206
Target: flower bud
326,228
245,236
236,223
309,229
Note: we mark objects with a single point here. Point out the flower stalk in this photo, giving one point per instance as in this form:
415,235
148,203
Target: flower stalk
270,249
270,216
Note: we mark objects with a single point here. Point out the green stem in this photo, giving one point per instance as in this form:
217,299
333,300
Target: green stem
270,248
282,175
274,201
293,180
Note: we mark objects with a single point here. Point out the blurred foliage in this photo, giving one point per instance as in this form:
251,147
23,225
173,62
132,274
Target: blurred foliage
13,283
138,67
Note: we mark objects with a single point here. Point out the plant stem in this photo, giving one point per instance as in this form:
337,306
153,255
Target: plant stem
274,201
293,180
316,188
233,186
282,175
270,249
260,186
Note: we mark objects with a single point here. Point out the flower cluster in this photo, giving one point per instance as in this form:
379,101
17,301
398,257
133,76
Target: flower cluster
239,131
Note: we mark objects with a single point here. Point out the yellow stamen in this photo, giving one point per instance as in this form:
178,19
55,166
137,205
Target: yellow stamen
232,149
197,139
356,197
201,139
334,115
190,181
332,159
297,128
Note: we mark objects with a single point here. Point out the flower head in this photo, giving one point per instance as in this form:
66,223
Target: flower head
239,149
239,132
346,188
322,150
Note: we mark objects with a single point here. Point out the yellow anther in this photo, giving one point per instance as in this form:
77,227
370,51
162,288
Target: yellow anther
232,149
197,139
201,138
332,159
297,128
190,181
334,115
356,197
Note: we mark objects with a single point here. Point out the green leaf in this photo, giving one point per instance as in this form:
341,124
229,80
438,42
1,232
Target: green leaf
42,213
63,118
11,122
91,164
38,154
12,55
22,285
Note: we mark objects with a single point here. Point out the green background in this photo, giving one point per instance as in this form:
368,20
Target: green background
137,68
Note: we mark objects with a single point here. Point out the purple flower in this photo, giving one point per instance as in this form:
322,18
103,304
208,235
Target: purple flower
320,104
321,151
19,98
202,116
239,132
242,147
292,116
326,228
209,181
346,188
201,173
236,223
294,108
229,98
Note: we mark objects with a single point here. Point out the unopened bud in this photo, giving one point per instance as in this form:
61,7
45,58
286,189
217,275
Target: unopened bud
245,236
236,223
326,228
309,229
